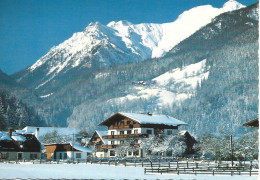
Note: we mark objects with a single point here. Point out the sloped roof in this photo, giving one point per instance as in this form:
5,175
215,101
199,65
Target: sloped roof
81,148
4,136
18,137
45,130
252,123
103,133
149,119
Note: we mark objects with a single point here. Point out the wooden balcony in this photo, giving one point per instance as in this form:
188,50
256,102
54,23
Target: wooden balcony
123,136
129,126
114,146
108,146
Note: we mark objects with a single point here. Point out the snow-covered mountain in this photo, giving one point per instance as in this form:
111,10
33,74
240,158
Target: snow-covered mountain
100,46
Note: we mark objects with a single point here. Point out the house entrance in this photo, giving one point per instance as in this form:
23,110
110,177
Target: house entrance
19,156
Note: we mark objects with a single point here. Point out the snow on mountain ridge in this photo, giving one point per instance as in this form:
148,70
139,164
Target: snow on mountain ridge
122,41
188,23
232,5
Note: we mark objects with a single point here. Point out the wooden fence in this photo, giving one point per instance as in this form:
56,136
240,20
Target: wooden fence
163,167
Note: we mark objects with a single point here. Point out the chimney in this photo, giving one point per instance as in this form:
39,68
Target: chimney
10,131
37,133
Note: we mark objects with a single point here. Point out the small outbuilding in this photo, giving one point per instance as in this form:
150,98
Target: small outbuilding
67,151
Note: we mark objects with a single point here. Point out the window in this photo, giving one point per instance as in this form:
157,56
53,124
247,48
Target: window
33,156
169,132
112,132
78,155
149,131
169,153
3,155
112,142
112,153
121,132
136,131
60,156
122,123
65,156
128,131
136,153
129,153
128,122
121,141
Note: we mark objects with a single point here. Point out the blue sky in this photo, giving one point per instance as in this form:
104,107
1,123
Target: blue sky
29,28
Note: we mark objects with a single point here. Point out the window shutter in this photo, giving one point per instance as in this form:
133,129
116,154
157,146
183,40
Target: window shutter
0,155
7,155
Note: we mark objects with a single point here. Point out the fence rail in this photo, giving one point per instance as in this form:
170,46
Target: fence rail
162,167
193,171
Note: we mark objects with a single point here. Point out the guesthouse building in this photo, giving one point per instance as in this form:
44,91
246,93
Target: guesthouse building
131,128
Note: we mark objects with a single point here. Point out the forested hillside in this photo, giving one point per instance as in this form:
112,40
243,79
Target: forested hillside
16,114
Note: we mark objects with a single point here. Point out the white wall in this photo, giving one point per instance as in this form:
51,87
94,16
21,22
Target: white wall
69,155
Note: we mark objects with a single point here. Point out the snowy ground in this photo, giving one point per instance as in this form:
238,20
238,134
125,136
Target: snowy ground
90,171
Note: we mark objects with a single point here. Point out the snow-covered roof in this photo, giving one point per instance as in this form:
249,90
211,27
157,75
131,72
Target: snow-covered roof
151,119
4,136
45,130
182,132
102,133
18,137
81,148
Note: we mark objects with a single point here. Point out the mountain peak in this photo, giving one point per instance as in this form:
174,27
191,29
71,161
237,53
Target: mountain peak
232,5
119,23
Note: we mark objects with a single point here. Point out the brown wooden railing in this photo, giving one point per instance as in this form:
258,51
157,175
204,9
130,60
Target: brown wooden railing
123,136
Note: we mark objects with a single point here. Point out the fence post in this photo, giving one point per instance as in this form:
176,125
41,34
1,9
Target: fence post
177,164
187,164
250,171
142,163
125,163
213,172
196,165
178,172
144,170
161,171
169,164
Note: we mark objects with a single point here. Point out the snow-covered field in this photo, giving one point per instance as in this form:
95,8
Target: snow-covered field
90,171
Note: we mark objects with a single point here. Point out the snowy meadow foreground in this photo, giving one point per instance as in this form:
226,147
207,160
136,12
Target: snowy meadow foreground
91,171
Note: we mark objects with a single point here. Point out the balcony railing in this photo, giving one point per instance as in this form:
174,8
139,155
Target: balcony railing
129,126
122,136
114,146
108,146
